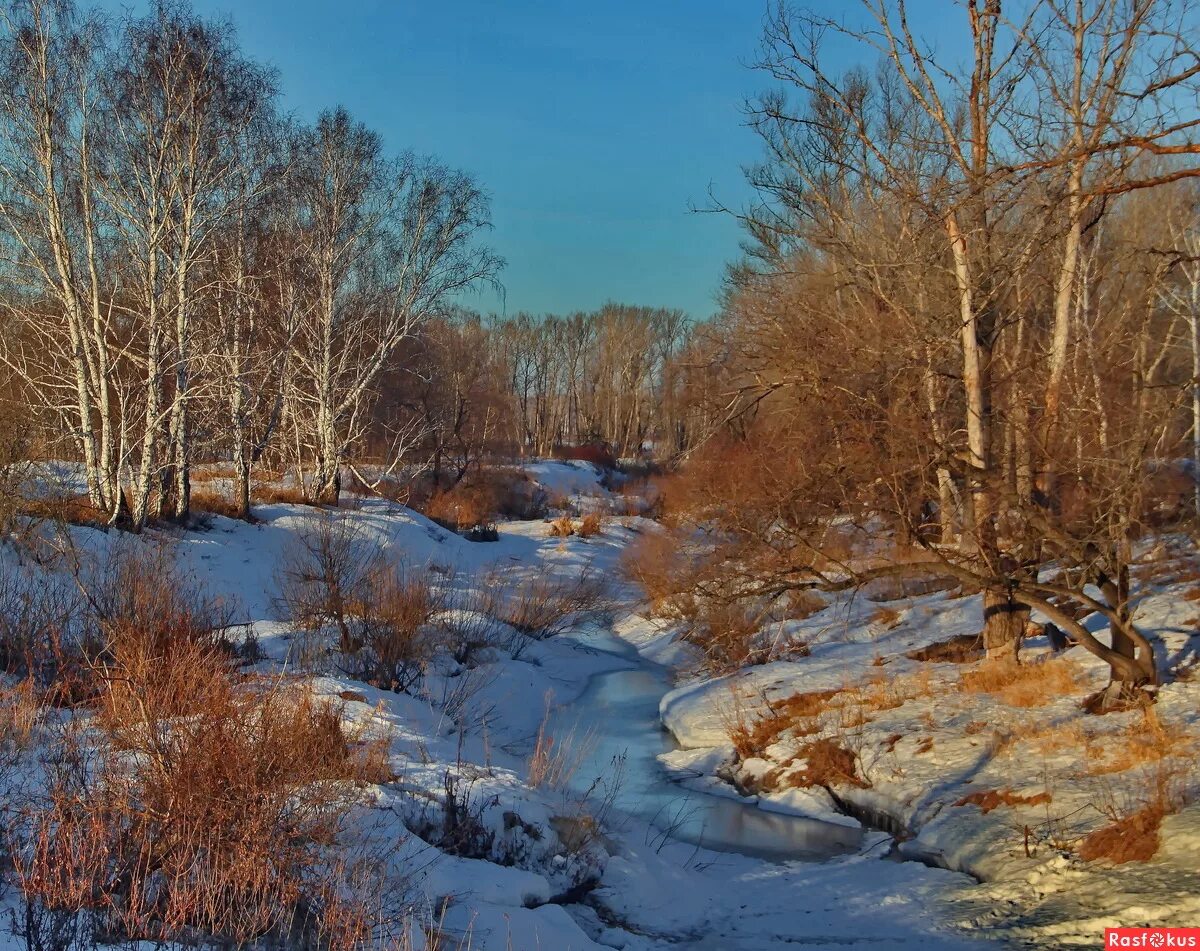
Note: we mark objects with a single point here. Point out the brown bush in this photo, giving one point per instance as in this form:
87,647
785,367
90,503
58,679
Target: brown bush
656,562
66,509
562,527
729,637
545,605
596,453
324,573
394,638
590,525
463,507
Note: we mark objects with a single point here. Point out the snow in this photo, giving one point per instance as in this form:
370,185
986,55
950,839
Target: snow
927,750
631,888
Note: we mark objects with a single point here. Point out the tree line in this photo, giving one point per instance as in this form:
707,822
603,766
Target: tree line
192,276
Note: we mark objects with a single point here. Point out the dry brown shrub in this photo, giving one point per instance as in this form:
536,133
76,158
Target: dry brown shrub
21,713
656,562
324,573
545,605
802,604
989,799
394,637
729,637
562,527
483,497
1132,838
67,509
886,618
590,525
1023,685
226,823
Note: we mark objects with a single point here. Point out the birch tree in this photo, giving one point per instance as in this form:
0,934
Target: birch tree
387,244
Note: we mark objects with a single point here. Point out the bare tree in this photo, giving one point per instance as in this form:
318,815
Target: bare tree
386,245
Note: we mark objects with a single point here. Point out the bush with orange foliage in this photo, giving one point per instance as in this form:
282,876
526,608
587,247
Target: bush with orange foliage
205,805
463,507
591,524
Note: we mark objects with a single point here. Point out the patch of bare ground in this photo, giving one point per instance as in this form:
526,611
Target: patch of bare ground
962,649
989,799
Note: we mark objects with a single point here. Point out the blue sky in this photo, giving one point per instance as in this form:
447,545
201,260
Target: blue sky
593,126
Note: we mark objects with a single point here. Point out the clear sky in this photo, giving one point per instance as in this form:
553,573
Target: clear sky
592,125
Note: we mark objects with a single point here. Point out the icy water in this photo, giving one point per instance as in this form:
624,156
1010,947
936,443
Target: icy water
616,724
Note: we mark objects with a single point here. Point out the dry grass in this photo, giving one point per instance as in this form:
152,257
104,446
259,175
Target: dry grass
213,503
21,713
553,764
796,715
826,763
886,618
1142,742
1132,838
562,527
212,472
1023,685
989,799
271,493
215,804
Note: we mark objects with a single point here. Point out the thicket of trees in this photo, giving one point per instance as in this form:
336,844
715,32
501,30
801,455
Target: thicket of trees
185,268
968,315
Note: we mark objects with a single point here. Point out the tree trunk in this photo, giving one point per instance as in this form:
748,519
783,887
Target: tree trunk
1004,622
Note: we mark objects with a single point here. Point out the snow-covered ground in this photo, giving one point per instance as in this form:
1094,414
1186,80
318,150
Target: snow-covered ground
1001,784
536,884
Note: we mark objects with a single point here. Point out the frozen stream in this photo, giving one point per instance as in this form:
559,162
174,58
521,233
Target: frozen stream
616,719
